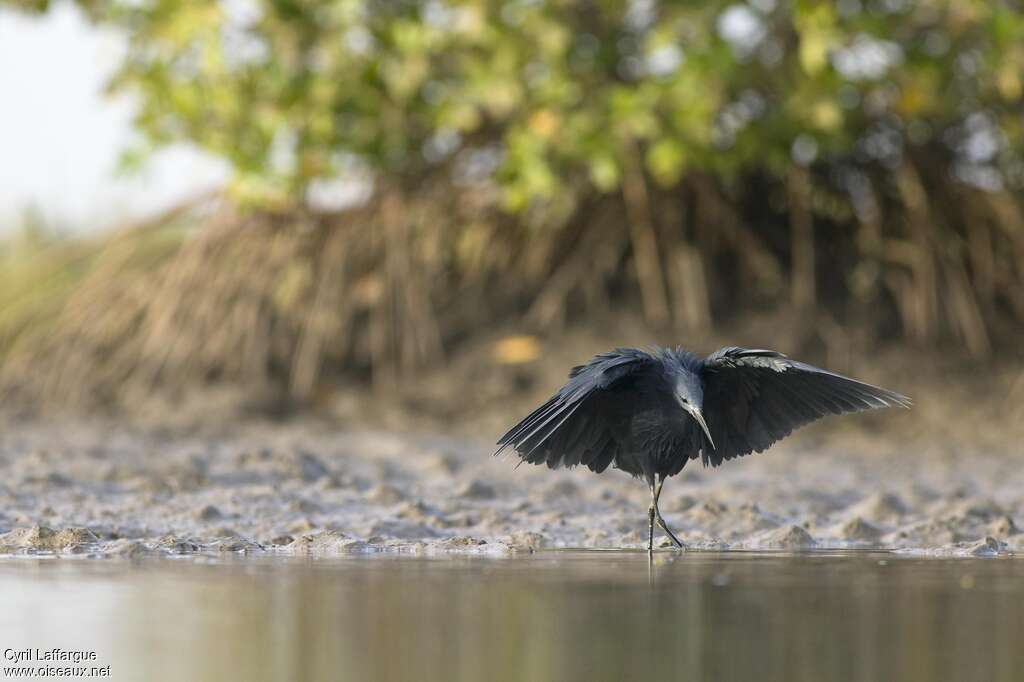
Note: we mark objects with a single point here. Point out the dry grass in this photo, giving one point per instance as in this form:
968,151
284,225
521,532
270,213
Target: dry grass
292,303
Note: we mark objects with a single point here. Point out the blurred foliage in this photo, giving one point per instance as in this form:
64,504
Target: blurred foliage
556,98
41,269
849,168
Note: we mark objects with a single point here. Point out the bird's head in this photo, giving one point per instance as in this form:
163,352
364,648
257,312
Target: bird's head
689,393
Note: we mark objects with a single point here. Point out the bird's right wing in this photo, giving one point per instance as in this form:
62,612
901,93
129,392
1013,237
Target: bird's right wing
573,426
753,398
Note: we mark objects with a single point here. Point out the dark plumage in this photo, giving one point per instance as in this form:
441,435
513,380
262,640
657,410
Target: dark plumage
649,413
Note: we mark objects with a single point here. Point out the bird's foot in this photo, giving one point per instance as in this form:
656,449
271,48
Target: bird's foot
668,531
651,512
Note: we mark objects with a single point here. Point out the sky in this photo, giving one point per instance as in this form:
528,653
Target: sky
61,135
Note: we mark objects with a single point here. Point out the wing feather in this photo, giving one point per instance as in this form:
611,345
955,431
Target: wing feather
575,425
755,397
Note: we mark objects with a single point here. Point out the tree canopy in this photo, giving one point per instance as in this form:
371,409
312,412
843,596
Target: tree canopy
552,98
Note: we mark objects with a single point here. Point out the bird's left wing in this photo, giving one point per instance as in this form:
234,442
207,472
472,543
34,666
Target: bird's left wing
752,398
572,427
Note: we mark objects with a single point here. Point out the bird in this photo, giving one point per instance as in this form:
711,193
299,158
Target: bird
649,412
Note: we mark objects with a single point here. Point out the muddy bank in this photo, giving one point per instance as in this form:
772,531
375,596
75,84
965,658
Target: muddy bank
306,488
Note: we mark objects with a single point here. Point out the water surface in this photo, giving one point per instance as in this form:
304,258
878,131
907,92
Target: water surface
555,615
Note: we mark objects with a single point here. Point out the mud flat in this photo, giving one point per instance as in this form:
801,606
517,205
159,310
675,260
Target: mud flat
304,488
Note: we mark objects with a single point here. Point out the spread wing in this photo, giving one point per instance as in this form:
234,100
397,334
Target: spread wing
576,426
753,398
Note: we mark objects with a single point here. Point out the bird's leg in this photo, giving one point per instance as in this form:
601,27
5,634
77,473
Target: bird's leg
651,511
657,514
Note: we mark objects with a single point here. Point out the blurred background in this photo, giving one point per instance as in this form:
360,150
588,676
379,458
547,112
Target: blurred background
399,223
432,209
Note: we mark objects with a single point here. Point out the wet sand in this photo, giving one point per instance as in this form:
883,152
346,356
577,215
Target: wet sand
305,488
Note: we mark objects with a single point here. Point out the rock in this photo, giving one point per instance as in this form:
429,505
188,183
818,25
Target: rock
417,511
786,537
859,529
127,549
936,532
478,490
679,503
225,532
716,507
56,480
987,546
402,530
1003,527
526,540
444,464
385,493
1015,543
310,468
980,509
209,513
281,540
884,507
332,482
710,517
235,544
177,545
612,495
328,542
41,538
71,538
459,520
633,538
823,502
561,490
749,519
305,506
665,543
303,525
187,478
153,487
460,542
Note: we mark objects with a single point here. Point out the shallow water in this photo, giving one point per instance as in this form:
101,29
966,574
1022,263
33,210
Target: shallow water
550,615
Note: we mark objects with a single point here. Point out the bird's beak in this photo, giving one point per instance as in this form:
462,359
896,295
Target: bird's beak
699,416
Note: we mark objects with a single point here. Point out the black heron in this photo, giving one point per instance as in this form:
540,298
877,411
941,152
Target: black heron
650,412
